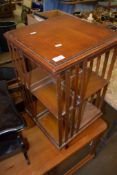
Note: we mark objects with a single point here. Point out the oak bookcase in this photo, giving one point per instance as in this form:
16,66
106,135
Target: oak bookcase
64,65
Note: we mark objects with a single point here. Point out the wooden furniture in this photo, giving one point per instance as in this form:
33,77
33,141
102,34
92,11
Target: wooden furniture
41,16
74,2
65,65
46,159
6,8
108,4
26,9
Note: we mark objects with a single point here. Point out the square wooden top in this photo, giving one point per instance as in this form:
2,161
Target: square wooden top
59,42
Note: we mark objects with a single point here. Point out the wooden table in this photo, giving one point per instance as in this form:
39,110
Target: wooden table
46,159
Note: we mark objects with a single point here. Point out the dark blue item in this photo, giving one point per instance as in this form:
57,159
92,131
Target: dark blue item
7,73
4,27
37,5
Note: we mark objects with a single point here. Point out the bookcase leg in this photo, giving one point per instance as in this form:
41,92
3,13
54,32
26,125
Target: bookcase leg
93,145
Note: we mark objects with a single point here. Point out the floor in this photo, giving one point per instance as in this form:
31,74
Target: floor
106,159
105,162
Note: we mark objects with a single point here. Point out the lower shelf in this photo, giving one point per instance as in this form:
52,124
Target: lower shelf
47,92
50,125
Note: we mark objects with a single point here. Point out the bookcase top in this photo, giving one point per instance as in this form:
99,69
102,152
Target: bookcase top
60,42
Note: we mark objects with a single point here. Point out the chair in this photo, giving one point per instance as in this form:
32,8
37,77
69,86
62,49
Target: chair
14,87
8,74
11,123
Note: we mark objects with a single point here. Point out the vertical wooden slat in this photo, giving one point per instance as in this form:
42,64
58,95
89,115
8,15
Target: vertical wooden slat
98,98
80,107
92,98
83,81
10,50
67,101
13,56
102,96
91,64
76,81
59,100
105,63
17,62
98,64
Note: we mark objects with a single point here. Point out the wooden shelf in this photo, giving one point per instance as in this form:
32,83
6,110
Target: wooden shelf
95,83
49,124
40,109
37,77
48,96
77,2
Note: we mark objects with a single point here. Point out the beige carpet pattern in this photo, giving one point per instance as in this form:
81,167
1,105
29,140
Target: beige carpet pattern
111,95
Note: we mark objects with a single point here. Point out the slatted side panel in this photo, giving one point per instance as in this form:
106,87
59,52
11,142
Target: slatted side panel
102,66
74,82
104,63
20,65
107,72
85,82
75,99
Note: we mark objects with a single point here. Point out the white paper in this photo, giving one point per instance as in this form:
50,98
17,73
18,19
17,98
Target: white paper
58,58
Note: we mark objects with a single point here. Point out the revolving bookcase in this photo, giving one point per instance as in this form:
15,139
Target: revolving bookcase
64,65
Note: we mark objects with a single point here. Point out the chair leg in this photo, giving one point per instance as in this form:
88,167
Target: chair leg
23,147
26,157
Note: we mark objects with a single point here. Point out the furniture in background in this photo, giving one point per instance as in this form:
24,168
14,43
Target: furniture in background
77,5
6,8
4,27
9,75
41,16
108,4
11,123
27,7
69,6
